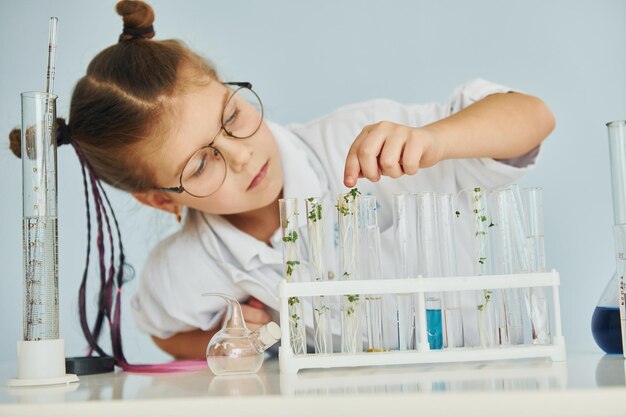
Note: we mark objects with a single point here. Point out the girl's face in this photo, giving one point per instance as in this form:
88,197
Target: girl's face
254,176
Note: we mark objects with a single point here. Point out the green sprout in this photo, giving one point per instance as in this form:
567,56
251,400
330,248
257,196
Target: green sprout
315,213
482,260
291,266
352,298
293,301
291,237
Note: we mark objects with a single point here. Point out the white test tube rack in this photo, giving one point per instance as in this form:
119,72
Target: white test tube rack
291,364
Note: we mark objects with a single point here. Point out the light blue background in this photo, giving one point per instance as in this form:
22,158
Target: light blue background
307,58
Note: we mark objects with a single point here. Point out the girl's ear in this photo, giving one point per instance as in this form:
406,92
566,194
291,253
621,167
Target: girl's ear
159,200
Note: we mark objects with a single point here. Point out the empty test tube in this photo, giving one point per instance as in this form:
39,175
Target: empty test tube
429,264
321,305
372,270
348,218
539,314
405,250
292,270
510,255
452,317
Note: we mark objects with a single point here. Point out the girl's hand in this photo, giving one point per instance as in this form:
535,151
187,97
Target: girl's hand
254,314
390,149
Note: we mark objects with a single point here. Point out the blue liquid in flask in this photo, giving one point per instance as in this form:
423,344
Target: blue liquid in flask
605,326
434,329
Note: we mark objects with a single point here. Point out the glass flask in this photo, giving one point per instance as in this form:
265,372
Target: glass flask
235,349
605,322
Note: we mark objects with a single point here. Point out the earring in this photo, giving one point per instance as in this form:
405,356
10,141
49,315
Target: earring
178,215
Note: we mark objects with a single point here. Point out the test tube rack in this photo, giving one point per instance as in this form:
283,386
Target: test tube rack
291,363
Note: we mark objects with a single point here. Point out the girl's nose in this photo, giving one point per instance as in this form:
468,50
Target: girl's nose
236,152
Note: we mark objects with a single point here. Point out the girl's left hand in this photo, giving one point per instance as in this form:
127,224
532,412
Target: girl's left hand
390,149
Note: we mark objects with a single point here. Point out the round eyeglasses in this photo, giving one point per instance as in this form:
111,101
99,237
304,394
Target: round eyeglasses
205,172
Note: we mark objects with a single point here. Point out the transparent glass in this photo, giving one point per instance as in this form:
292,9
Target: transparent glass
39,216
510,255
452,316
488,327
429,263
537,301
316,212
372,270
405,250
234,349
605,322
348,218
620,246
292,264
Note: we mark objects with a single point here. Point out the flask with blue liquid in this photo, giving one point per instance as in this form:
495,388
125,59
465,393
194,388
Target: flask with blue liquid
605,322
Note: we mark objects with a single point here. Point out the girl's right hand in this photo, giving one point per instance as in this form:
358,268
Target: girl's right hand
254,314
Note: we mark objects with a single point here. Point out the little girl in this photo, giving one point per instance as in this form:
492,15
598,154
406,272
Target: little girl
155,119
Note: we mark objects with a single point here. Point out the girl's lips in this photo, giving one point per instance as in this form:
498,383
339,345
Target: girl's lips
259,177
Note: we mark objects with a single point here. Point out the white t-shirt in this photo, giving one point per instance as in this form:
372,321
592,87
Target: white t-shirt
208,254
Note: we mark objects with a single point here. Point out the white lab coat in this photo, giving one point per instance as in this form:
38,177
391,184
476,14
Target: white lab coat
208,254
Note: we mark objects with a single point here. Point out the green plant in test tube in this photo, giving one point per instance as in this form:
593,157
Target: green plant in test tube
292,271
321,306
348,211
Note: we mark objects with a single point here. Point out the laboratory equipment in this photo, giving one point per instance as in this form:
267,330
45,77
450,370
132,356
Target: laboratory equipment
605,322
234,349
538,303
620,247
405,250
350,305
510,256
41,353
452,316
429,263
292,264
372,270
488,328
322,319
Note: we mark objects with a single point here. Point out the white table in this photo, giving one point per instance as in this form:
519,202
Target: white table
588,384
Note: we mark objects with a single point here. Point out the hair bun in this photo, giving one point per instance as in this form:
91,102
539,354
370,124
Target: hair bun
138,18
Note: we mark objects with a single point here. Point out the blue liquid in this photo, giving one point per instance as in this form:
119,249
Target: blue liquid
434,329
605,326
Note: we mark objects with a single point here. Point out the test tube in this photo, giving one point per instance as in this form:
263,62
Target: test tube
348,211
488,328
405,250
321,306
538,303
452,317
510,255
372,270
429,263
292,270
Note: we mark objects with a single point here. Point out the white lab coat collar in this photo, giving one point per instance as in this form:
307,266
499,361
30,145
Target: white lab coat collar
303,177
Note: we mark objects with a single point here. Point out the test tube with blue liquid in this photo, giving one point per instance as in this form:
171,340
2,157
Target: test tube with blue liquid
429,264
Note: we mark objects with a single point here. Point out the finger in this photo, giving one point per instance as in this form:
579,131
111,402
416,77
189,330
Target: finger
253,302
390,156
369,151
411,156
255,315
352,169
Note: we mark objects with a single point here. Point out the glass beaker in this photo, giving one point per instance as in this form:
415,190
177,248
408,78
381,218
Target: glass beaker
605,322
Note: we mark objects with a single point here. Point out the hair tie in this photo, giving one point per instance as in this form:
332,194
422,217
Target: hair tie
64,134
135,33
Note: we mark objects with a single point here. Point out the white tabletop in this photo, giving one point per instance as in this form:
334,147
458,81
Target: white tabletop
587,384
